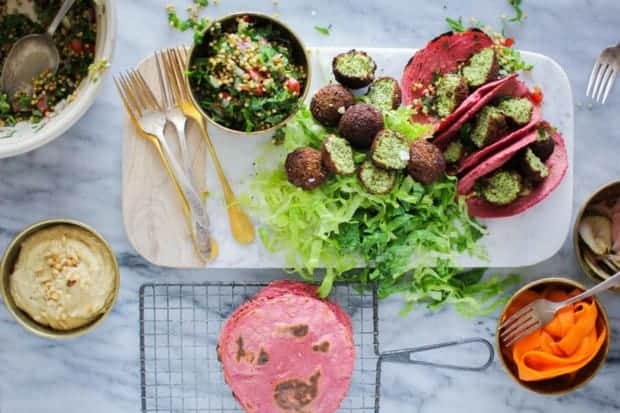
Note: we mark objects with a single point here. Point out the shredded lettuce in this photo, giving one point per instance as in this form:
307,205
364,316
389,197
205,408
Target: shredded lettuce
401,242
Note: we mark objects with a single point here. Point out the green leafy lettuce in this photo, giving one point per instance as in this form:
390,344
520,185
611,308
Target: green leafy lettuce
342,227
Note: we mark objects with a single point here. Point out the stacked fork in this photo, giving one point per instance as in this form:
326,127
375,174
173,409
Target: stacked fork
148,117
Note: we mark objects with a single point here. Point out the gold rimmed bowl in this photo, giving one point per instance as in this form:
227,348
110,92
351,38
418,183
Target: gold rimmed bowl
7,266
596,273
228,23
568,382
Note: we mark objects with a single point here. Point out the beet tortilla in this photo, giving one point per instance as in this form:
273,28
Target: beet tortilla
508,86
442,55
557,164
288,351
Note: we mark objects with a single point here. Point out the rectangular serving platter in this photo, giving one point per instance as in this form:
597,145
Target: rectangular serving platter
156,226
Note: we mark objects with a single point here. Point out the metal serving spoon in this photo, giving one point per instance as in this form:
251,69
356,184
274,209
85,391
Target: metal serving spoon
32,55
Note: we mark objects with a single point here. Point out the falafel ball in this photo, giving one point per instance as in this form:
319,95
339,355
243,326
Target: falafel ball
426,162
385,93
329,104
338,155
304,168
532,167
544,145
354,69
360,124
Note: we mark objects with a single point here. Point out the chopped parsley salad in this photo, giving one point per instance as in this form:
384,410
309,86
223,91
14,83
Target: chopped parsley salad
75,38
247,75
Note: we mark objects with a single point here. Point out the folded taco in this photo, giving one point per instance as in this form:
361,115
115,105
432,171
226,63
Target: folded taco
517,177
501,118
454,71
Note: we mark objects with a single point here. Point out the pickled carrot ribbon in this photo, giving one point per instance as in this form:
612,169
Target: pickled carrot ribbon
568,343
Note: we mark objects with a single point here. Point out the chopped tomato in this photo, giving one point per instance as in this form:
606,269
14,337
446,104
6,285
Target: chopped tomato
247,19
77,46
255,75
43,106
509,41
260,90
537,95
88,47
293,86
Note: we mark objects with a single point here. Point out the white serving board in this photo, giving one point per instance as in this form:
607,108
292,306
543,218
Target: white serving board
156,227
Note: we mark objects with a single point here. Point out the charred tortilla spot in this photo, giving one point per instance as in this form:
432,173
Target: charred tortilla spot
240,349
295,394
450,33
263,357
322,347
300,330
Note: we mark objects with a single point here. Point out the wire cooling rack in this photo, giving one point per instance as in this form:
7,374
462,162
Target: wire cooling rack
179,329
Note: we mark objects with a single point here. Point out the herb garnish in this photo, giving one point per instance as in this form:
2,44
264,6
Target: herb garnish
323,30
194,22
519,15
456,25
343,226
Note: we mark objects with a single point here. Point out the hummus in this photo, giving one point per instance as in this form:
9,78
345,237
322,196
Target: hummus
64,277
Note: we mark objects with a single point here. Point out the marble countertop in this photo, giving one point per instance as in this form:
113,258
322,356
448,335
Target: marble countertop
79,175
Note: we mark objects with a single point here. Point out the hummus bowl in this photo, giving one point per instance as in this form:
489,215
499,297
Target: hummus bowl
27,136
48,283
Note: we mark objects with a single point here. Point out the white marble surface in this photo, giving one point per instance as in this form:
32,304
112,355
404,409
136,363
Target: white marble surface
78,176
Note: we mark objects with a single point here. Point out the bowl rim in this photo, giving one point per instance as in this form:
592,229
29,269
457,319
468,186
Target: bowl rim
302,96
19,315
75,110
576,244
603,314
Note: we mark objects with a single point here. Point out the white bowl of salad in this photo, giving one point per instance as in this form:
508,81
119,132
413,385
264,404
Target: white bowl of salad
85,39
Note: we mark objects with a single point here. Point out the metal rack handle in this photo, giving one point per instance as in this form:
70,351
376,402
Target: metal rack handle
406,356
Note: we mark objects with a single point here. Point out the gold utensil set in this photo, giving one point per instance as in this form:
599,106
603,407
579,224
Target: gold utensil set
150,116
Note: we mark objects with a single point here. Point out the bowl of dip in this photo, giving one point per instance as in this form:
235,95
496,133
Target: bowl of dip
596,236
85,39
60,278
565,354
249,73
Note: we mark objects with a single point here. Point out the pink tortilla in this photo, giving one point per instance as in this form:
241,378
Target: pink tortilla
508,86
475,158
442,55
557,164
287,351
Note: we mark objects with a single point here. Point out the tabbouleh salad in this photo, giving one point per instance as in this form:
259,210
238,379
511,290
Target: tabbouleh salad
247,77
75,39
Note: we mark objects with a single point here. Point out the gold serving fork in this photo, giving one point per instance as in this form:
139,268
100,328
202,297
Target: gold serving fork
148,119
174,60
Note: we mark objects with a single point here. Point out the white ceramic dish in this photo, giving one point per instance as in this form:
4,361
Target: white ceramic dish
155,224
25,136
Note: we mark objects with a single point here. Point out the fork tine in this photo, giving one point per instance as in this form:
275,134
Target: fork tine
595,70
146,91
598,80
132,98
517,325
516,316
163,80
610,84
179,65
173,77
604,81
522,335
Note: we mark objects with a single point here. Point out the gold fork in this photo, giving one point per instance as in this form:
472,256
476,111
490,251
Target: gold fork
175,60
146,116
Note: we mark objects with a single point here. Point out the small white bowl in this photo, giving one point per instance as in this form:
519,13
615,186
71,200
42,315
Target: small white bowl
26,136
